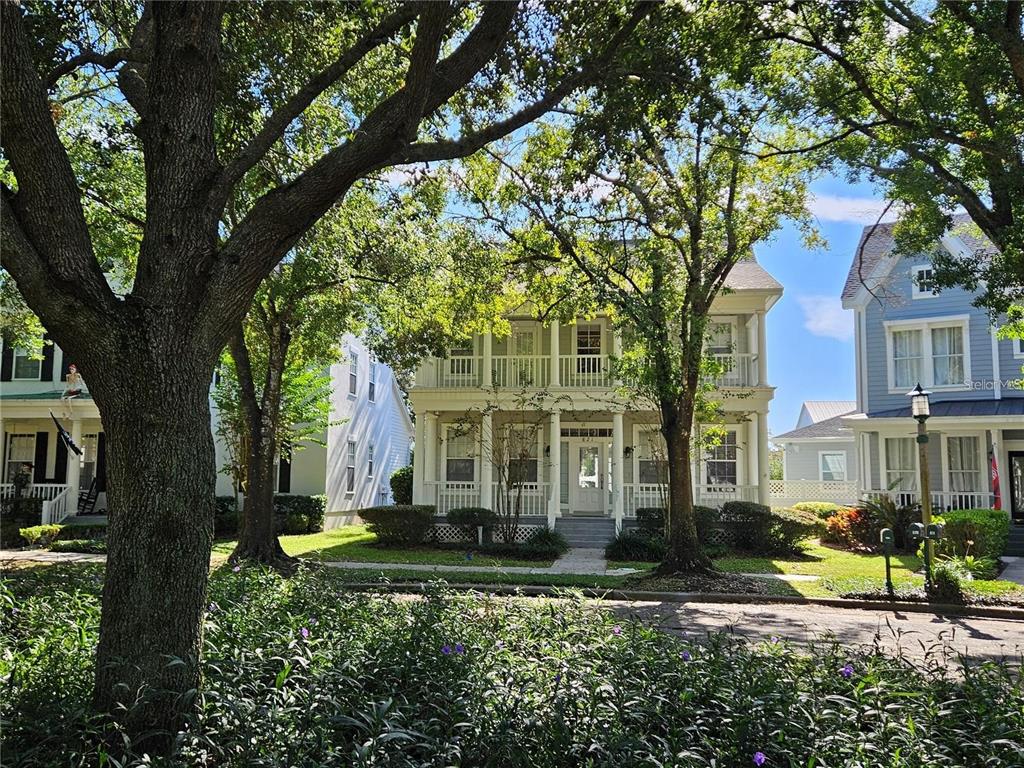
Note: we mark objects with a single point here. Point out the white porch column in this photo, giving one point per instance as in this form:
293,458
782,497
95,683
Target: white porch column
430,457
555,464
74,466
556,373
616,351
618,479
763,491
419,459
488,373
762,357
752,449
486,461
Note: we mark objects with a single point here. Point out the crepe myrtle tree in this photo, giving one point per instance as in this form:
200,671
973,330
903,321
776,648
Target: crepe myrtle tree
642,201
203,94
927,99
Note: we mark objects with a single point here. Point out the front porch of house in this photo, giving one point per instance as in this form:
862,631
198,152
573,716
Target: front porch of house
586,464
968,460
60,478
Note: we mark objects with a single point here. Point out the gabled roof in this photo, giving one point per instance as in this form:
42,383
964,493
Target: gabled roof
828,428
748,275
869,258
819,410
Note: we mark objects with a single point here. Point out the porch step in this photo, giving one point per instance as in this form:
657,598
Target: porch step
588,532
1015,544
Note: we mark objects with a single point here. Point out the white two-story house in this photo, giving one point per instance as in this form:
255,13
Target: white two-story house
908,333
590,452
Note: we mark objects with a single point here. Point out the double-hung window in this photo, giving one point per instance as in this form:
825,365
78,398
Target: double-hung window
721,462
934,353
522,455
21,449
369,461
353,372
964,464
832,465
900,464
25,367
651,461
372,393
460,464
350,468
588,349
922,278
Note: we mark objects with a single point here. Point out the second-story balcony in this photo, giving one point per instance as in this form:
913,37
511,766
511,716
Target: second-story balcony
573,371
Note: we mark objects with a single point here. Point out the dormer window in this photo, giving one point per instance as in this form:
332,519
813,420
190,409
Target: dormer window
922,279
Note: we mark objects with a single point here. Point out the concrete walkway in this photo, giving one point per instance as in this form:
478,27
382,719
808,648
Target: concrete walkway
1014,570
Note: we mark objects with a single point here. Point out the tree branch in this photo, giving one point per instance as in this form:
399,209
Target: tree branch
103,60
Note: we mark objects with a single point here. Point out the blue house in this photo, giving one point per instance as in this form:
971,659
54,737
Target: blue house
907,332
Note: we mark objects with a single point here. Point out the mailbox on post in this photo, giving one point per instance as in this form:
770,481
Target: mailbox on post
888,540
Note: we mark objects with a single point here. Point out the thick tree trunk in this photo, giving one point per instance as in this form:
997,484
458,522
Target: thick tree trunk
684,550
160,489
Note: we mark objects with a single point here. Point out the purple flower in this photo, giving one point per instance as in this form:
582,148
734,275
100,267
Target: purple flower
469,555
212,607
558,677
847,671
460,648
685,656
616,630
237,568
304,632
499,644
760,758
774,640
446,649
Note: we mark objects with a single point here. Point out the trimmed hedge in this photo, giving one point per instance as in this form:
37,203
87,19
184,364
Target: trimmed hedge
787,530
88,546
295,514
636,546
749,521
226,516
40,535
978,532
401,485
400,524
651,519
469,519
706,519
547,540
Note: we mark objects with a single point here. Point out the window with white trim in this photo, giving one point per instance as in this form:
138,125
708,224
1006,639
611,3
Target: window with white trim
832,466
460,462
588,348
720,340
350,468
720,464
933,353
25,368
369,461
900,464
1018,347
522,455
353,372
372,394
651,460
964,464
922,278
21,449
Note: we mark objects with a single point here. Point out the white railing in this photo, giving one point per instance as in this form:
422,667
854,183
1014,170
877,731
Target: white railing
788,492
638,495
741,370
717,495
941,500
532,498
57,508
447,495
583,371
456,372
44,491
521,370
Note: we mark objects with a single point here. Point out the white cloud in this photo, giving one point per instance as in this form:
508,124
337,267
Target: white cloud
858,210
825,316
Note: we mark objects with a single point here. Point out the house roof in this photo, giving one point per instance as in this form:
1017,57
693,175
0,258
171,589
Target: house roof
819,410
1009,406
748,275
827,428
870,252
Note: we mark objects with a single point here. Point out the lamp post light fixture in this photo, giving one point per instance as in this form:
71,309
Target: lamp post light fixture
920,409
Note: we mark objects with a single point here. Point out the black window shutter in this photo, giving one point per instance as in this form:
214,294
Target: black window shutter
101,463
284,471
7,363
46,369
60,468
65,365
39,470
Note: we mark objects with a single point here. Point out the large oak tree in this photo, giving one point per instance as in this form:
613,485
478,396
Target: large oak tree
208,91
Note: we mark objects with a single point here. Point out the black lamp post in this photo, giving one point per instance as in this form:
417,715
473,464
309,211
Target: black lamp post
920,409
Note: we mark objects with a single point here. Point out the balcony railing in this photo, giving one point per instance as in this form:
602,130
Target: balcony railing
574,371
446,495
941,500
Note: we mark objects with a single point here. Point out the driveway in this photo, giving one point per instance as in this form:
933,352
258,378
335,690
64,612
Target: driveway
916,634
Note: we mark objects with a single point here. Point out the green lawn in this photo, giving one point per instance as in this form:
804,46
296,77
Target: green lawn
819,560
356,544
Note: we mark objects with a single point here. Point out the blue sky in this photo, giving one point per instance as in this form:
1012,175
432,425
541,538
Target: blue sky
810,336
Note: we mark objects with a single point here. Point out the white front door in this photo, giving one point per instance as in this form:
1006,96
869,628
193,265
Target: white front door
587,477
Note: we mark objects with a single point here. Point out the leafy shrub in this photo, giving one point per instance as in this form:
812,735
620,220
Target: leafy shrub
886,513
947,582
749,523
469,519
16,514
637,546
546,540
822,509
706,519
981,532
852,528
68,532
984,568
40,535
524,683
89,546
225,516
401,524
651,519
401,485
787,530
296,514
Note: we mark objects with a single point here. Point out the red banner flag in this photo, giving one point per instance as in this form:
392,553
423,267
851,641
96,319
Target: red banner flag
998,504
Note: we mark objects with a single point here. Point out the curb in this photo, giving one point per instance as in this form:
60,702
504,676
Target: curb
939,609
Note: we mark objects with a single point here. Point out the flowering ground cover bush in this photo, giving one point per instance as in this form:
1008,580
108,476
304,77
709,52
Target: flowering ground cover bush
302,673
